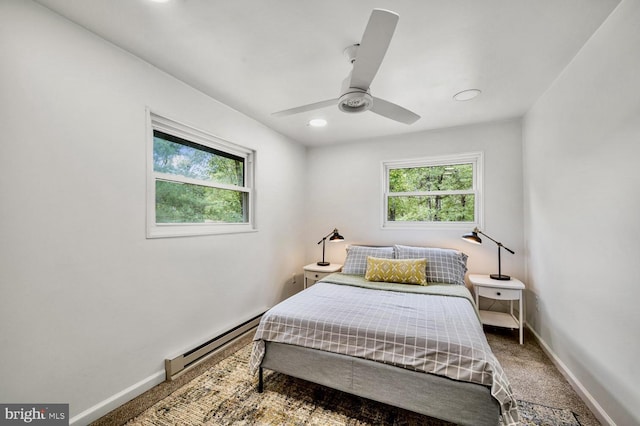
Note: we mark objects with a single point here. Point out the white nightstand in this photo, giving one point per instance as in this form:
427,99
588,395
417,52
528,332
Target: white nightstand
510,290
313,272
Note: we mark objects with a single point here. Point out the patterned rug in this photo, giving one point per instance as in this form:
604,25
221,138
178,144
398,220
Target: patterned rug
226,395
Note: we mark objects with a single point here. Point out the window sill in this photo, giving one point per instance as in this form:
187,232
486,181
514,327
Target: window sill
431,225
197,229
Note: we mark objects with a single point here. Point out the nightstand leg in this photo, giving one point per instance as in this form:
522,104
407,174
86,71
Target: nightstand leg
520,314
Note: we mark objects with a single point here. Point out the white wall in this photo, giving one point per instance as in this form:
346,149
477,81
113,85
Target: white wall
582,198
345,191
88,306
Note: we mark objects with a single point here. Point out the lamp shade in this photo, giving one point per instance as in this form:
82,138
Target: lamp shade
472,237
336,236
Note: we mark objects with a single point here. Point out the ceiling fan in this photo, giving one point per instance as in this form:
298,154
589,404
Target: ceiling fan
366,58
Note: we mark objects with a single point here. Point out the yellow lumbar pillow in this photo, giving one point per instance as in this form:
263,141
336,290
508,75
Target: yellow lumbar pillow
405,271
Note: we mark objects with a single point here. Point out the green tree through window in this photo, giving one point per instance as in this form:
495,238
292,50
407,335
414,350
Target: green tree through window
431,191
214,199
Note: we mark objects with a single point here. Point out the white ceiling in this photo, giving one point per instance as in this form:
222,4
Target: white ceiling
263,56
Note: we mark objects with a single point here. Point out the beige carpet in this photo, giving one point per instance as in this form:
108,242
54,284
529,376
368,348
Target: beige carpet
533,376
223,393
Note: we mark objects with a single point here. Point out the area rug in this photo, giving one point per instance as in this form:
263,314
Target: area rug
226,395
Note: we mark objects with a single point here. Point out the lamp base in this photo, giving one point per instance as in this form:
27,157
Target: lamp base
500,277
323,263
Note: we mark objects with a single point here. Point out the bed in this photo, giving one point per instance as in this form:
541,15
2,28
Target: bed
416,346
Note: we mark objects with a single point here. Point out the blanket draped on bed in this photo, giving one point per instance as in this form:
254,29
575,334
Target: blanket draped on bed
434,329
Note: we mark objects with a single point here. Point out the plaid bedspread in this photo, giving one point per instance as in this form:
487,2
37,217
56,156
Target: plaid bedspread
433,329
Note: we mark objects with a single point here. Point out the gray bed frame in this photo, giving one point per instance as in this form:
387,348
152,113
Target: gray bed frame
435,396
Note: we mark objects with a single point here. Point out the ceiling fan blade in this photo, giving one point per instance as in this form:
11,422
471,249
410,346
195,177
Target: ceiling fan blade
373,46
393,111
305,108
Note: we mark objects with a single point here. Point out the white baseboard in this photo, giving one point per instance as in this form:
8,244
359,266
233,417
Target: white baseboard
582,392
104,407
94,413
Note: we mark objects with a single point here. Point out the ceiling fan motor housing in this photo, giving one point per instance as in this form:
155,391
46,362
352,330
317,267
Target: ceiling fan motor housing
356,100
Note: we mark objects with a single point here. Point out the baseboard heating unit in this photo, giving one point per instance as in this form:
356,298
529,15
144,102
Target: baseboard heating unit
179,364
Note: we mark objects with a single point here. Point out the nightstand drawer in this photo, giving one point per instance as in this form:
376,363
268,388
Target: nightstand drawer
312,275
498,293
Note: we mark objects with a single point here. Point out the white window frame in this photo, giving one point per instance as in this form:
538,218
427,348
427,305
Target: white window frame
474,158
163,230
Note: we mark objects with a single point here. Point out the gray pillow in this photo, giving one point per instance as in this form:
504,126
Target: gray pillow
443,265
356,261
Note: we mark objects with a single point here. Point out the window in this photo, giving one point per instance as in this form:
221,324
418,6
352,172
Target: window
198,184
433,192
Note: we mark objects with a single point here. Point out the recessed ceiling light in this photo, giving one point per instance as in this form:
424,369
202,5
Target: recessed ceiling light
318,122
160,1
466,95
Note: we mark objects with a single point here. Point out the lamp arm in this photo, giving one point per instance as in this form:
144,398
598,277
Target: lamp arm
326,236
497,242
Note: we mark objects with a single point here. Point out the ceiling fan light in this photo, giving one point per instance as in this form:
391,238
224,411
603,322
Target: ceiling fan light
466,95
355,102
